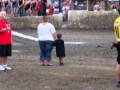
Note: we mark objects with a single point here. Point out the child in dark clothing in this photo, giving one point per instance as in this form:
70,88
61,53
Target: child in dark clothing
60,48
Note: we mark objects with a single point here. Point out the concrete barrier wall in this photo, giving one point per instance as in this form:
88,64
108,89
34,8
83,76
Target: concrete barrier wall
76,19
33,21
91,19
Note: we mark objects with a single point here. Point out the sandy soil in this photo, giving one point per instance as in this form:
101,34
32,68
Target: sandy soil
87,67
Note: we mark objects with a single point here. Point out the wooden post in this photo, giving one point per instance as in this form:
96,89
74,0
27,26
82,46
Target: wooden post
87,5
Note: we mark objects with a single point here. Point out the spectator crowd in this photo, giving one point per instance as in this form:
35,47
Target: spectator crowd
99,6
16,8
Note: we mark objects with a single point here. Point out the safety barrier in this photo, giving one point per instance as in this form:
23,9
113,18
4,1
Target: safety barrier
76,20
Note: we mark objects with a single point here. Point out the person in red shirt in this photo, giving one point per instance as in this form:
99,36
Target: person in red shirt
5,41
51,10
39,8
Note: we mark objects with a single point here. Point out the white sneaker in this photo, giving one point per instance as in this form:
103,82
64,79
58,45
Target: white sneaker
7,67
2,68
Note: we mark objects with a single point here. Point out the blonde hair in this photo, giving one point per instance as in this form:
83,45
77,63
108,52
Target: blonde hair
2,13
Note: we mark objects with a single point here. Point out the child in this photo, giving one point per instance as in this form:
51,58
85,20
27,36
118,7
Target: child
60,48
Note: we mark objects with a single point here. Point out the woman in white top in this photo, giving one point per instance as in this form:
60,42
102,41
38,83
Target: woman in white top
46,36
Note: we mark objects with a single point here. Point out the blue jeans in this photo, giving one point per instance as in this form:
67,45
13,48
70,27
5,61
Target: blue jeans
46,50
21,11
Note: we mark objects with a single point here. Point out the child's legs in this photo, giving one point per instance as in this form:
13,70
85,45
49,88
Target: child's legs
61,59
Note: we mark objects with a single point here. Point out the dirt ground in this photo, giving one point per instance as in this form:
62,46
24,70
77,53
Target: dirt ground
87,67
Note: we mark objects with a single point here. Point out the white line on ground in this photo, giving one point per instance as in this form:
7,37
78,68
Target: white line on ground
15,51
24,36
93,67
36,39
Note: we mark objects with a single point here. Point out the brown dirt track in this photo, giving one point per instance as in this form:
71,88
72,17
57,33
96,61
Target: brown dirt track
87,67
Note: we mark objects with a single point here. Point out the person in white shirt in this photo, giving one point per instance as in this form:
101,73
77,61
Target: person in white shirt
65,9
46,36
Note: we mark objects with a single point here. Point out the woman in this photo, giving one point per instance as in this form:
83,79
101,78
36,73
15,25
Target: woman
7,6
34,4
5,41
27,7
46,36
21,7
14,7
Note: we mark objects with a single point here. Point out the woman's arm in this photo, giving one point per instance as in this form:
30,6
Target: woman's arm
4,29
54,36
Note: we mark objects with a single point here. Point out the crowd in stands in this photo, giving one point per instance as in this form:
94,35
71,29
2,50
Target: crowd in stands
16,8
113,6
97,5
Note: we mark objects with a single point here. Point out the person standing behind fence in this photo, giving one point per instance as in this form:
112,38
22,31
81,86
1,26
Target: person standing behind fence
14,7
28,7
65,9
1,5
5,41
51,10
7,6
34,4
60,48
97,7
20,7
39,8
44,7
56,6
46,36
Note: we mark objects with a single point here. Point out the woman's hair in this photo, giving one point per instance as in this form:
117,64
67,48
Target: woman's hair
59,35
2,13
44,18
